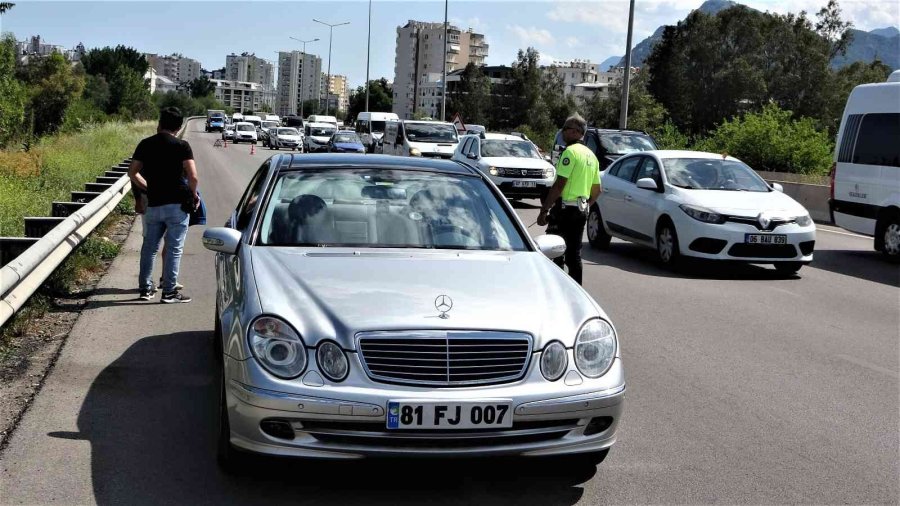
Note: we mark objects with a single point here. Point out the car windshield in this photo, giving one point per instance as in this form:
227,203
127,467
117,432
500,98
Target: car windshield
622,144
346,138
321,131
287,131
712,174
269,124
246,128
378,127
517,149
383,208
430,132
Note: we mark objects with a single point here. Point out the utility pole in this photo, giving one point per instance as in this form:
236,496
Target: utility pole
328,79
301,72
368,51
444,78
623,118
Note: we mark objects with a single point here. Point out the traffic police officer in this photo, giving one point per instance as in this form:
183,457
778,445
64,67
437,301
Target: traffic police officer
575,190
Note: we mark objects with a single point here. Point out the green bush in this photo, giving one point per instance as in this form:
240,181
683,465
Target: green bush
771,140
668,136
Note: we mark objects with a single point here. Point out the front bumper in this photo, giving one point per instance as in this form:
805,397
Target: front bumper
508,186
287,144
727,242
348,420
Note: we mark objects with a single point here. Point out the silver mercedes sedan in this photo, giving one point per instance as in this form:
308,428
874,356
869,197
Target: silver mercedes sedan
382,306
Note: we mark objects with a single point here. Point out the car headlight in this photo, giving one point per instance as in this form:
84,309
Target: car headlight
415,152
494,171
332,361
548,173
595,348
277,346
804,221
702,214
554,361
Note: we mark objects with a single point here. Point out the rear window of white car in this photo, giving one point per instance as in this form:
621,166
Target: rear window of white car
383,208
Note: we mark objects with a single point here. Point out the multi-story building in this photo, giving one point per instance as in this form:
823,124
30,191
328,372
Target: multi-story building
250,68
35,47
574,72
339,93
420,53
299,80
215,73
241,96
175,67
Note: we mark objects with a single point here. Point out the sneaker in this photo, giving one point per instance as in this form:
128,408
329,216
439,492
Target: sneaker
174,298
148,294
178,286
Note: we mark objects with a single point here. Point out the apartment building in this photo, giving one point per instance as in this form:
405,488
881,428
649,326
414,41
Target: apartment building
339,92
175,66
299,80
248,67
242,96
419,55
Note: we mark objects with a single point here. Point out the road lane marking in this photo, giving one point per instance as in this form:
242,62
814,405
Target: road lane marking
842,233
873,367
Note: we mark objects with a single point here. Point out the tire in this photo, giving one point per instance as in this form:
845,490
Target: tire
597,236
889,239
667,244
788,268
230,460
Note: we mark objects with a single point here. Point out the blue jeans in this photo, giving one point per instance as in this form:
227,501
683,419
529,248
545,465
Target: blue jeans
169,221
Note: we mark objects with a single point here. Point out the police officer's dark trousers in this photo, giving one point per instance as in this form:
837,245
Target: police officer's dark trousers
568,222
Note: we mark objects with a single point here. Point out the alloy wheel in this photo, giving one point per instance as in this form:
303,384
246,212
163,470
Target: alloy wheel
892,239
665,244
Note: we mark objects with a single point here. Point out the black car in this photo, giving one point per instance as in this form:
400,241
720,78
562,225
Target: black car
608,145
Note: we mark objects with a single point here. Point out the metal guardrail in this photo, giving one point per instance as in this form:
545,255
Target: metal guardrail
22,276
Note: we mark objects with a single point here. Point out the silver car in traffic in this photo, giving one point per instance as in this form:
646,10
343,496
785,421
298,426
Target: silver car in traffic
383,306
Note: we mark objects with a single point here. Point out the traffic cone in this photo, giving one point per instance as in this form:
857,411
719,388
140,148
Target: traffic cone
253,149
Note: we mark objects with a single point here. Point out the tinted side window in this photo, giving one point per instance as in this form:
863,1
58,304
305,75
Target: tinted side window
251,197
591,142
627,168
877,143
474,148
650,169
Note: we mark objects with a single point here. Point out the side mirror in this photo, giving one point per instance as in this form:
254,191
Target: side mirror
647,183
221,240
552,246
547,158
470,156
777,187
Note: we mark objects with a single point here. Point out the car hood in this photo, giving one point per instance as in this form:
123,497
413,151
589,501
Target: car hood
336,292
738,203
516,162
349,145
292,138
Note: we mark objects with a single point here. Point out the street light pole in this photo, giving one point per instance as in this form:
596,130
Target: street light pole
328,79
623,118
444,72
368,51
301,72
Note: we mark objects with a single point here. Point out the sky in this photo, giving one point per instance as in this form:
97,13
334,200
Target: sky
209,30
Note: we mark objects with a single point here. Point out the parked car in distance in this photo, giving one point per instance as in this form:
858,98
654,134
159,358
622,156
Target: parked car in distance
370,127
865,177
608,145
272,117
512,163
264,128
321,318
228,132
431,139
321,118
316,136
245,131
345,141
702,205
285,137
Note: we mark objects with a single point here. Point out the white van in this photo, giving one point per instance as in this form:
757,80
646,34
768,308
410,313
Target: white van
316,136
256,120
272,117
433,139
237,117
318,118
865,177
370,127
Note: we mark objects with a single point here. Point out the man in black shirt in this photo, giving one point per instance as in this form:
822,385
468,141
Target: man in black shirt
161,165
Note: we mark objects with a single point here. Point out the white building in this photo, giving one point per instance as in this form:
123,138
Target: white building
250,68
241,96
159,83
419,52
35,47
299,80
175,67
574,72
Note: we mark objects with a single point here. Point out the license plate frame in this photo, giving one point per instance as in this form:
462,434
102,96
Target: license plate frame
439,415
766,239
524,184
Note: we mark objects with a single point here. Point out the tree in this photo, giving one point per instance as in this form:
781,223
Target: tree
471,98
12,94
312,106
96,90
834,29
526,106
129,96
5,6
201,87
52,86
265,108
380,98
107,60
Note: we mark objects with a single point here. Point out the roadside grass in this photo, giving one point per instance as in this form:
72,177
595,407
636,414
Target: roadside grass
31,180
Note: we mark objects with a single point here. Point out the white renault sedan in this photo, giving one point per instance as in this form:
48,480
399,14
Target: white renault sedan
704,205
513,163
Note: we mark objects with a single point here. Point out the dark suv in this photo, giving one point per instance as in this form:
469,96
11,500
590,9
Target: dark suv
608,144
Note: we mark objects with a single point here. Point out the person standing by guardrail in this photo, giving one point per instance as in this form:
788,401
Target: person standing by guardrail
575,190
161,165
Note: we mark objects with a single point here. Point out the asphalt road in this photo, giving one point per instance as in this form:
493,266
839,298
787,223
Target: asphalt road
742,388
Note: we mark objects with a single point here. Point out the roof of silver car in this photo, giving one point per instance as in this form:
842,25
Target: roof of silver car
339,161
